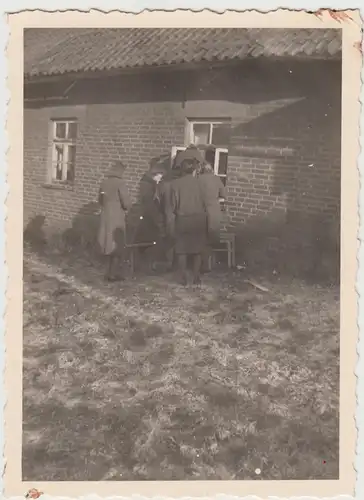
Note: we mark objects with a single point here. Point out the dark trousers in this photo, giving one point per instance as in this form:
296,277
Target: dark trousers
116,259
213,242
160,252
115,267
196,267
206,260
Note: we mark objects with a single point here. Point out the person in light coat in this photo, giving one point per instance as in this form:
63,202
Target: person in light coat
115,202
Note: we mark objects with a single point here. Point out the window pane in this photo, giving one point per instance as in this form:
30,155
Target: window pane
223,163
71,172
72,130
60,130
57,171
72,154
201,133
220,134
210,156
59,153
58,157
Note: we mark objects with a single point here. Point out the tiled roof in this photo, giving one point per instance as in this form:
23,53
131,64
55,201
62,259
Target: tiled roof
55,51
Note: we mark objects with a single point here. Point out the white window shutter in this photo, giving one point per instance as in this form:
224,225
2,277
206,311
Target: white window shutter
175,151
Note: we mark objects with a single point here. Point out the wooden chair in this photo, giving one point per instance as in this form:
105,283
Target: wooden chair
130,242
228,245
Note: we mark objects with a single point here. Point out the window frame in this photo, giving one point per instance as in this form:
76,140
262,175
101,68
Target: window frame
189,131
66,142
218,151
174,152
211,122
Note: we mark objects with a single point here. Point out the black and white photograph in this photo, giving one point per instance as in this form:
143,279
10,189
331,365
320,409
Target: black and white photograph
181,253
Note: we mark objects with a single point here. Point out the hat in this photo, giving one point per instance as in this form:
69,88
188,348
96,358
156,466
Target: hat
158,168
192,154
117,169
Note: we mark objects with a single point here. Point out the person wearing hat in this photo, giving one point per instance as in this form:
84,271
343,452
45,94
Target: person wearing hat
186,216
115,202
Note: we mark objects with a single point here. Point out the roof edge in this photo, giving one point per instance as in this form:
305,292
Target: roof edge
98,74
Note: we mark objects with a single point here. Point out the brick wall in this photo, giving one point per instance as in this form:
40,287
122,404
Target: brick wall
284,140
288,158
106,133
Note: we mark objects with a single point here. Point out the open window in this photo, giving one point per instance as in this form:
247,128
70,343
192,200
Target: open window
212,139
221,164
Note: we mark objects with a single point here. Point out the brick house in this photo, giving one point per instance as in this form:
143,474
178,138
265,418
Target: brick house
268,100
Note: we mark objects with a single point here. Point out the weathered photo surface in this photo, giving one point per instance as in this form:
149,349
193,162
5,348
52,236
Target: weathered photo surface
139,376
182,276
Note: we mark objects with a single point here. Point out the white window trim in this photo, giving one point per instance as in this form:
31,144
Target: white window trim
175,151
218,151
65,142
189,140
191,123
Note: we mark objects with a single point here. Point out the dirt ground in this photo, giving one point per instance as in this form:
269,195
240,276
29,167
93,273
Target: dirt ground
151,381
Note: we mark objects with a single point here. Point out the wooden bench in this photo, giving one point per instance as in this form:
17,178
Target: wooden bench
228,245
226,239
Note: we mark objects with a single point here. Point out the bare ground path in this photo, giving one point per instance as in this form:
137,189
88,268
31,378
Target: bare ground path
149,380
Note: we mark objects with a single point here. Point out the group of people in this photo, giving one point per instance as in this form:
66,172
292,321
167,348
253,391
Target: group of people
181,215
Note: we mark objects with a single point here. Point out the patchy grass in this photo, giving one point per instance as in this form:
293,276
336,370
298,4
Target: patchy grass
150,381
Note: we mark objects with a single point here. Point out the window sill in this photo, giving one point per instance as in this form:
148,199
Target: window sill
58,187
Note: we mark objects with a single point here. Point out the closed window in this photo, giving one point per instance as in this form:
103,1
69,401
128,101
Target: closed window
204,132
64,136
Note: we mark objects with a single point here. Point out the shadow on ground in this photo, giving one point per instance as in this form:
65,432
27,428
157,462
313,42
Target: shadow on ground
125,372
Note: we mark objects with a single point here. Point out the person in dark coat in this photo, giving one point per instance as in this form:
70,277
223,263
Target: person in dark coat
115,202
163,195
186,216
150,212
151,227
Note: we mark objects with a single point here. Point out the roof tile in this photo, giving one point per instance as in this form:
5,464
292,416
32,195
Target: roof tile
55,51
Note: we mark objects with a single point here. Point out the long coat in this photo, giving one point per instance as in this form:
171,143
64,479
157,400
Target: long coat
115,202
186,216
212,189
